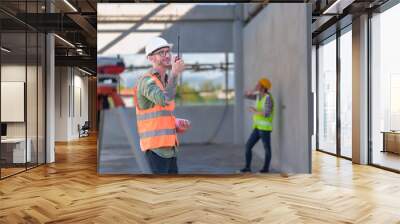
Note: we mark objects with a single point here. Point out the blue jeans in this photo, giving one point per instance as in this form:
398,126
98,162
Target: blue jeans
160,165
253,139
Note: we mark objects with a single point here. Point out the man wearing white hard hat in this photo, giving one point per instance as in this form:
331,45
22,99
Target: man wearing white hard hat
154,100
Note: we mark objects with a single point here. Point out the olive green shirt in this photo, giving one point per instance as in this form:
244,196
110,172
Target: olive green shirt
149,94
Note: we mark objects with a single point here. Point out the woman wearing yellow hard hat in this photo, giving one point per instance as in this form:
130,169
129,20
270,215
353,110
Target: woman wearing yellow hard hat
263,114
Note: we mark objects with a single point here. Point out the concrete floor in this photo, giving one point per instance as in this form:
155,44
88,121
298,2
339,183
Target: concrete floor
192,159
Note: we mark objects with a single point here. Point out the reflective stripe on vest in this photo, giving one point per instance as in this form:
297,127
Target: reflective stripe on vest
156,125
152,115
149,134
261,122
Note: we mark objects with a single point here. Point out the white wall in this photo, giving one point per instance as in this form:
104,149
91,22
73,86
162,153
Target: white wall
12,73
17,73
69,85
277,45
80,89
33,125
61,103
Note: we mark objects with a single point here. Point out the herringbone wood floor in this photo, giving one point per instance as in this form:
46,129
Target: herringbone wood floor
70,191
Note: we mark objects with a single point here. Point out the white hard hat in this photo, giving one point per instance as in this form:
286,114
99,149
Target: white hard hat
155,44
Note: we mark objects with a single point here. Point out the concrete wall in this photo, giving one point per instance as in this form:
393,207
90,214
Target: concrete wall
277,45
209,123
202,28
218,36
114,144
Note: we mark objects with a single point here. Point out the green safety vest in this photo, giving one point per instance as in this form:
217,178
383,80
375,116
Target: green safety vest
260,121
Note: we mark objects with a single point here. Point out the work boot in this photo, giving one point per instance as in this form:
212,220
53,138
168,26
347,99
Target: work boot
245,170
263,171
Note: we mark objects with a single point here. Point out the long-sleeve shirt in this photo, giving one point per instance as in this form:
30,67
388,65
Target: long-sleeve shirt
267,109
149,95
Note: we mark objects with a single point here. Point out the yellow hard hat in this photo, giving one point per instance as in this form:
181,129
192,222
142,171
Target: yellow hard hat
265,83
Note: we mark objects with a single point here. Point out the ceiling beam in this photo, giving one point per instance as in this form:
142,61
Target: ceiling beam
86,26
78,61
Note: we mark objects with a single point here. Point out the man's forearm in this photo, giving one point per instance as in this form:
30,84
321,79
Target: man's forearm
152,92
251,96
170,90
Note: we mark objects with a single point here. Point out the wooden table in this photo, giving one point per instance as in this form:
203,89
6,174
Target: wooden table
13,150
391,141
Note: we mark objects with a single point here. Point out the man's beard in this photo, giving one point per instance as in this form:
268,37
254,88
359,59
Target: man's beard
167,66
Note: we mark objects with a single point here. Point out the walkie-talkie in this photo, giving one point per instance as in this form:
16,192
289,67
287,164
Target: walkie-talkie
177,58
179,36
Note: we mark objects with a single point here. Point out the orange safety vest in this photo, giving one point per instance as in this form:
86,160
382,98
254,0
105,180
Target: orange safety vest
156,125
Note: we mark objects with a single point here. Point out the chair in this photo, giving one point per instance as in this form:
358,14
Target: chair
84,130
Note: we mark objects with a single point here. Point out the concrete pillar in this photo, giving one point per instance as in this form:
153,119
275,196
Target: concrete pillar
360,90
50,92
239,76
